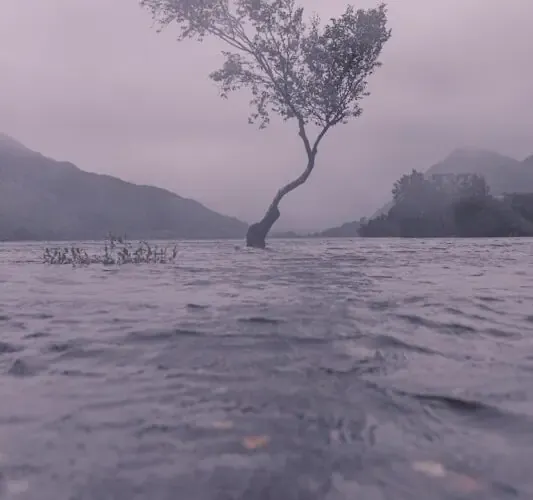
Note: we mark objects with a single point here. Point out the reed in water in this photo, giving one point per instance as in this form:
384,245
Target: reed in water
116,251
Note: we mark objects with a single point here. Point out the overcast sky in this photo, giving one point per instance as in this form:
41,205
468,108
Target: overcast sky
90,81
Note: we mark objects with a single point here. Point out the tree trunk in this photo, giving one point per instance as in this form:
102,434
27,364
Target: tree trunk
257,233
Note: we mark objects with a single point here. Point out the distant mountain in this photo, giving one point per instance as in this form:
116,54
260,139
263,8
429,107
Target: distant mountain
347,230
8,143
45,199
502,173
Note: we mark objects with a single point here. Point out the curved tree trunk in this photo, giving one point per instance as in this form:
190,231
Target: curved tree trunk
257,233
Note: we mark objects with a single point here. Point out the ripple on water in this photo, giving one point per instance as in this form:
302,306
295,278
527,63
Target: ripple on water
197,306
261,320
22,368
161,335
321,370
7,348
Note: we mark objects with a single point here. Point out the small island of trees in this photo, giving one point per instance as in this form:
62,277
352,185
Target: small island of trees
451,205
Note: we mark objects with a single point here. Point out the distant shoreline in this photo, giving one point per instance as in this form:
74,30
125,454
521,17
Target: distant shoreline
279,238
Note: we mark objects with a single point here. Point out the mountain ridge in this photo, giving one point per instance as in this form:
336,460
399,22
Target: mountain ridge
44,199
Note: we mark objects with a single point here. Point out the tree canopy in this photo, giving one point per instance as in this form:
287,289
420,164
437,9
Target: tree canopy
295,68
417,187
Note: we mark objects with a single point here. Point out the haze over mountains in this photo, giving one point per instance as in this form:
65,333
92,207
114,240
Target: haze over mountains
119,104
45,199
502,173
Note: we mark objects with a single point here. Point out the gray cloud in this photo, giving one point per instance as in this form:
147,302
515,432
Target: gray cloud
92,82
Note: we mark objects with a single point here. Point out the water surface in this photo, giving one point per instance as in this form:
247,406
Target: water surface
318,370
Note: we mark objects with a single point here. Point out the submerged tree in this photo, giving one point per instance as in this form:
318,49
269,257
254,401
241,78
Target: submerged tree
313,73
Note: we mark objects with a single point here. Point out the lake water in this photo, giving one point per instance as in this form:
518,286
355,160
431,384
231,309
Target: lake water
318,370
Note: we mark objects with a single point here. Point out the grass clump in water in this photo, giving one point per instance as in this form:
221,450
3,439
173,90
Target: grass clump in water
117,251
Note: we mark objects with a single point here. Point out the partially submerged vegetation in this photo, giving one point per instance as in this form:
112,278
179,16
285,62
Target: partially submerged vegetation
116,251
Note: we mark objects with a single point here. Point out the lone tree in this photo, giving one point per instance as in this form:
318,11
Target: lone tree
311,72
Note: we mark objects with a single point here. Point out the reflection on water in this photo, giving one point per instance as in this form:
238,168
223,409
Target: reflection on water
327,370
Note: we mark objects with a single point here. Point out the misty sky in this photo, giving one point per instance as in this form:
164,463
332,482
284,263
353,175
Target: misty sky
90,81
